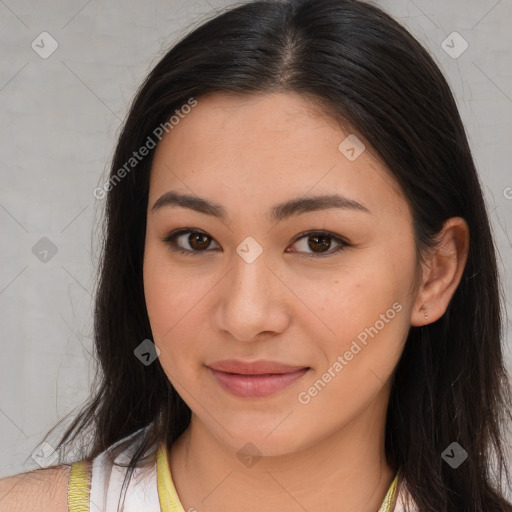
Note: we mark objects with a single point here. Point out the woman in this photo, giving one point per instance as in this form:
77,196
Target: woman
299,304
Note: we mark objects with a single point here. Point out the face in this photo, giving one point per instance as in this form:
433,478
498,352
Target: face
323,287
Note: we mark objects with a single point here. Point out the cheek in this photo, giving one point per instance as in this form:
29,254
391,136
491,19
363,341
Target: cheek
371,326
162,292
355,299
365,310
174,311
167,294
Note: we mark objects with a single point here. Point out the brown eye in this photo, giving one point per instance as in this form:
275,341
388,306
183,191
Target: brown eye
319,243
188,242
198,241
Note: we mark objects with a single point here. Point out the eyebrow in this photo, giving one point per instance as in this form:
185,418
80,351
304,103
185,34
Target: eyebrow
277,213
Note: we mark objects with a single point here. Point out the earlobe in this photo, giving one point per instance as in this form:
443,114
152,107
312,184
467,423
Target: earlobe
442,273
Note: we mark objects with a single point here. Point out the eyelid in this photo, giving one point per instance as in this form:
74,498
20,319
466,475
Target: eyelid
170,239
342,243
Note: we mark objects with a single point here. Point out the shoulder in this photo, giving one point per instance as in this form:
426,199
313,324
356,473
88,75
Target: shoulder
42,489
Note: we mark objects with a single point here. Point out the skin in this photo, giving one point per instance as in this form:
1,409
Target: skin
249,153
42,489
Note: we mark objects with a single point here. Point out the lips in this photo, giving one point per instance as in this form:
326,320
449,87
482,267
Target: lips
255,379
253,368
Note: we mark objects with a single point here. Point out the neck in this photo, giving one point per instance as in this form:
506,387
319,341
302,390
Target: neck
344,472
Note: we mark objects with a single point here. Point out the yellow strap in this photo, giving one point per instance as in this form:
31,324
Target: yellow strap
389,499
170,502
79,486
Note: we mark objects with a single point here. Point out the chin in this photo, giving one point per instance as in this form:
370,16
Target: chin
263,441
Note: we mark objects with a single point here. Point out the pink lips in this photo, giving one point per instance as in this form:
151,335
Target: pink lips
255,379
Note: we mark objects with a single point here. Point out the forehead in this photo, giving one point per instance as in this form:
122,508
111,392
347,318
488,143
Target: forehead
268,148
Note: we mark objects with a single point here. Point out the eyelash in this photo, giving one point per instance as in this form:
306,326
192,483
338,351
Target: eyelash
170,240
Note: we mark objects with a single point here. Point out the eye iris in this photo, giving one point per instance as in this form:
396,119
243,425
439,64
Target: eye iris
198,241
324,245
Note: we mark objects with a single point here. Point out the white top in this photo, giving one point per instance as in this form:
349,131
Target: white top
107,480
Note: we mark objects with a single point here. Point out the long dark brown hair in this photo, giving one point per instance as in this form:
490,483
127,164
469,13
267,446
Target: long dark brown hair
368,72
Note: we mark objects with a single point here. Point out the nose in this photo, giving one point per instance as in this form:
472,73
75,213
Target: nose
254,303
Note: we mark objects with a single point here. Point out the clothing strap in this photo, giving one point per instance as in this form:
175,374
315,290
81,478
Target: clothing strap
169,501
79,486
390,498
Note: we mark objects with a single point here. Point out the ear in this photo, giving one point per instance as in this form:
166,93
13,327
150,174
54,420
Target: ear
442,272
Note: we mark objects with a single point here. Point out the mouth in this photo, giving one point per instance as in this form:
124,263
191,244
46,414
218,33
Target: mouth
255,379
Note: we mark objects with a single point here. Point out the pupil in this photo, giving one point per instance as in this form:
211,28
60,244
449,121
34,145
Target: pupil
322,245
196,243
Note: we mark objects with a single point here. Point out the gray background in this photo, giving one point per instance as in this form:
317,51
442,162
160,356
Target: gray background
61,116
